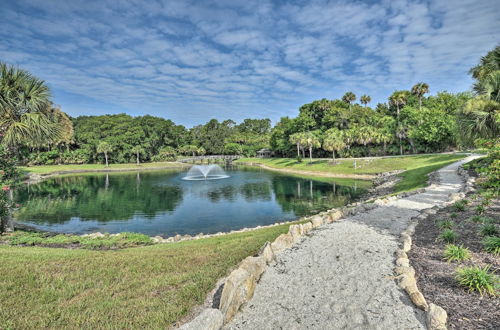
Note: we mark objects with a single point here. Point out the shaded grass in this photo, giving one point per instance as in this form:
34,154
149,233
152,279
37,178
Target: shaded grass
48,169
143,287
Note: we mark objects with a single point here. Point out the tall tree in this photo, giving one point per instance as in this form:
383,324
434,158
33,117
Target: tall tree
311,140
419,90
104,148
137,150
296,139
399,99
348,98
333,141
365,99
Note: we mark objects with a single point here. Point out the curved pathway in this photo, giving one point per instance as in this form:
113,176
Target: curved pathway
341,276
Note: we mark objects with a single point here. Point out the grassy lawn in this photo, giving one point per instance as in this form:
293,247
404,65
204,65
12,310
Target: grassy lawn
415,176
143,287
48,169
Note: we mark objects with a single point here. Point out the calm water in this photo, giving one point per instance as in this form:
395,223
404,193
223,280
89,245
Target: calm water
161,203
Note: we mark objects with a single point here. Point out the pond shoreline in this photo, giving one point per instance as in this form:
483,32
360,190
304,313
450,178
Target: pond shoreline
312,173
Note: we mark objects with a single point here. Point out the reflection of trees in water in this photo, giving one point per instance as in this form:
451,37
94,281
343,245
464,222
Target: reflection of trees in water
250,191
303,196
100,198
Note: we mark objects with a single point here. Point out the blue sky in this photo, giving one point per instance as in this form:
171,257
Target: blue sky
190,61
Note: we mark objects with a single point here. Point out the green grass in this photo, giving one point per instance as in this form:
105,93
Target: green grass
415,176
445,224
48,169
142,287
121,240
456,253
489,229
492,245
478,279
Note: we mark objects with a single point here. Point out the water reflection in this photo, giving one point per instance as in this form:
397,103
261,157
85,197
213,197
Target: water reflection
162,203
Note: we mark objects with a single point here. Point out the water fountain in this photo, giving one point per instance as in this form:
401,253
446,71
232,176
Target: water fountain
205,172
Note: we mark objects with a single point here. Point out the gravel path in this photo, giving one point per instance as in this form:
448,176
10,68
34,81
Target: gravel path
341,276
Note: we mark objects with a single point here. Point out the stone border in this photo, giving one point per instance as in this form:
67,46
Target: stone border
436,316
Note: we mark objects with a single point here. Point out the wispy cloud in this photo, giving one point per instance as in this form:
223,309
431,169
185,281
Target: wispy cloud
194,60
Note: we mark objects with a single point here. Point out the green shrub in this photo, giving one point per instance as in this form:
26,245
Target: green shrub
479,209
476,219
445,224
486,202
489,229
492,244
459,206
448,236
456,253
453,215
478,279
489,220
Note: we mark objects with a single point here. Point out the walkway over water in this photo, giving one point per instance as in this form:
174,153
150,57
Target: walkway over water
193,159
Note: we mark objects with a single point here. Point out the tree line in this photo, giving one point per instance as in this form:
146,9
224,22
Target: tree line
35,131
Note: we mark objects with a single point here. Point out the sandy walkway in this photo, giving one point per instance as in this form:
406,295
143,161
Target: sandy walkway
341,276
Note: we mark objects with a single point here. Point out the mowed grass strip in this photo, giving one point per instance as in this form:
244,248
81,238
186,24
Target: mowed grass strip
48,169
143,287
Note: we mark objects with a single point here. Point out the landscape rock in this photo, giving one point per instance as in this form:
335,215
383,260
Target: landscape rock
401,270
316,221
238,289
282,242
436,318
295,231
418,299
306,227
403,262
209,319
267,253
255,266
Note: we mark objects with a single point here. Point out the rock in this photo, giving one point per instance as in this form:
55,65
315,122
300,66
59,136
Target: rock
95,235
209,319
295,231
403,262
238,289
157,239
407,282
267,253
406,242
335,215
255,266
401,254
436,318
316,221
418,299
401,270
306,227
282,242
177,238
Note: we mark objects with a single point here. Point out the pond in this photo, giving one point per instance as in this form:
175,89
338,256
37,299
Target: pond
162,203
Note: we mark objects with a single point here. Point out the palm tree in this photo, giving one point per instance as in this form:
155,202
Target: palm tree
419,90
137,150
348,98
104,148
311,140
296,139
333,141
24,109
489,86
487,65
478,118
399,98
401,133
365,99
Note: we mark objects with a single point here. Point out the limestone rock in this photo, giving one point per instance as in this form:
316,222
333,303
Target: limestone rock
436,318
209,319
238,289
406,242
407,282
255,266
418,299
295,231
267,253
306,227
282,242
316,221
401,254
400,270
403,262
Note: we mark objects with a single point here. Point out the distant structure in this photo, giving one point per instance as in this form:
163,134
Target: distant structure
264,153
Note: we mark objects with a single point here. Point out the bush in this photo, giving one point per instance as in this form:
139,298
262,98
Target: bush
456,253
448,236
480,209
478,279
476,219
445,224
489,229
492,244
453,215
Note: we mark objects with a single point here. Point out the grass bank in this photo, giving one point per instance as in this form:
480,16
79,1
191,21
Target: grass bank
415,176
144,287
74,168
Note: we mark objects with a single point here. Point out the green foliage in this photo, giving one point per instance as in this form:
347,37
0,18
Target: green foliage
478,279
121,240
9,178
453,215
448,236
479,209
492,244
165,154
456,253
233,149
476,219
445,224
459,206
489,229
